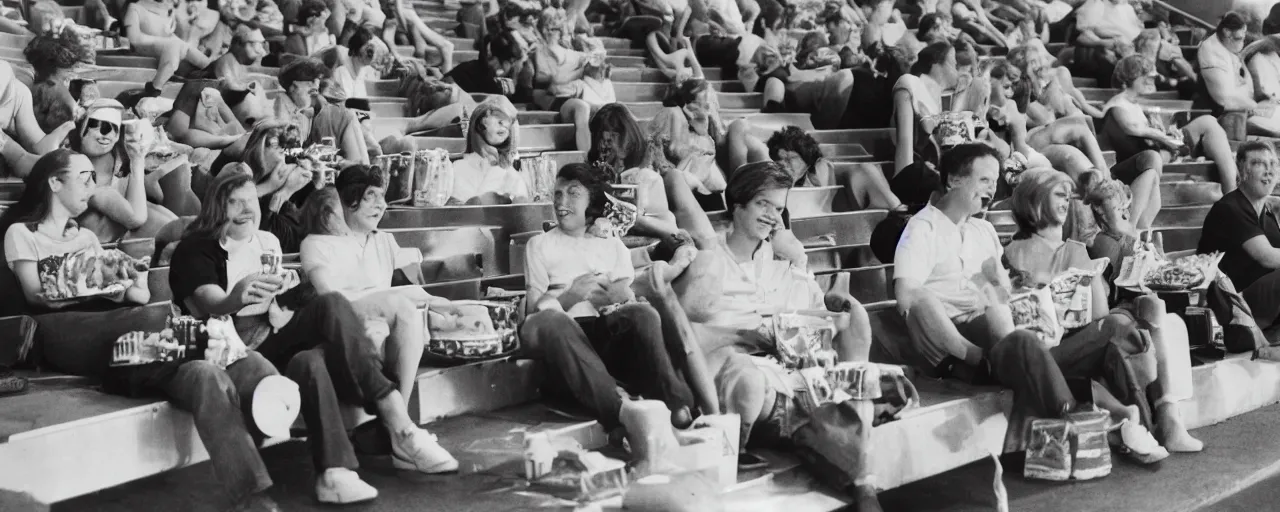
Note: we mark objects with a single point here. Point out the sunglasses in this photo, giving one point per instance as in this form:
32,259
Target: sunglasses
105,127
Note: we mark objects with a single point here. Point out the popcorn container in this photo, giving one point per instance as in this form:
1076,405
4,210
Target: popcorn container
272,263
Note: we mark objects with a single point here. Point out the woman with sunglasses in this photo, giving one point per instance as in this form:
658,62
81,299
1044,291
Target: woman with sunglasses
118,207
75,335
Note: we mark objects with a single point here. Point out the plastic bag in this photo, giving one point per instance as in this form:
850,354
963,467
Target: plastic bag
1073,295
804,341
398,174
539,173
433,177
1034,311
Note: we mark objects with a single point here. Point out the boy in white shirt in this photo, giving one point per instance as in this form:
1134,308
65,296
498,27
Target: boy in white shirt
583,318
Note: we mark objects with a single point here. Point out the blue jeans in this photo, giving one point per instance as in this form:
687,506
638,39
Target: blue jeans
218,401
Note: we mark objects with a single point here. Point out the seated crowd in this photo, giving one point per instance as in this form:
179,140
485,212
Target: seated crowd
677,308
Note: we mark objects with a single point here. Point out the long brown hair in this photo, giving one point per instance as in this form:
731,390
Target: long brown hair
502,155
213,219
37,196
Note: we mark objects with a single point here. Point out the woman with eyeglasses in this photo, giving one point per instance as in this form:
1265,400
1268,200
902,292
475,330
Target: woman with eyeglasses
118,206
1226,84
77,334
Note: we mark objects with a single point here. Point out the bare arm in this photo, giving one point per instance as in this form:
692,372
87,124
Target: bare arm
1262,251
129,210
904,115
1135,125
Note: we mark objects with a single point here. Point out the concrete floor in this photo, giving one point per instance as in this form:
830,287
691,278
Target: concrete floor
1237,471
1241,455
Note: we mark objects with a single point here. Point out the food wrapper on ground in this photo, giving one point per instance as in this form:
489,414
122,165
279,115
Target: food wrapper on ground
88,272
804,340
584,476
708,451
432,177
1034,311
486,329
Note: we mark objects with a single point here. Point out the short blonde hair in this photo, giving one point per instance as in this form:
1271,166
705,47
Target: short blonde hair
1031,204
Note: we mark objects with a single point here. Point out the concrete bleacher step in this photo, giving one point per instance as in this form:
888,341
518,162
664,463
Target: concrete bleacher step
514,218
442,243
649,74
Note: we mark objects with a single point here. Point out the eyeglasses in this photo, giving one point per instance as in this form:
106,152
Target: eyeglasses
105,127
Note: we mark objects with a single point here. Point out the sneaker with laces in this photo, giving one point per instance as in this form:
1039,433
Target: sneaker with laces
418,450
342,486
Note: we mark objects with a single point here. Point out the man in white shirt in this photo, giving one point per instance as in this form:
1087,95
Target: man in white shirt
583,318
953,290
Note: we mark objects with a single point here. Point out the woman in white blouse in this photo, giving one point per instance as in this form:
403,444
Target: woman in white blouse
344,252
486,174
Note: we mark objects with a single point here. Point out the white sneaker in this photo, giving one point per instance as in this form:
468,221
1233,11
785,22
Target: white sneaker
342,486
1142,445
418,450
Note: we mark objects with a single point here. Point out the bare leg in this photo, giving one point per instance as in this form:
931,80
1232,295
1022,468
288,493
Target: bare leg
932,331
1211,136
170,57
775,93
743,147
868,186
405,345
578,112
1264,126
1074,132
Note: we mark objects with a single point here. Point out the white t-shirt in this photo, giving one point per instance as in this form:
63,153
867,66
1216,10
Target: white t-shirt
21,244
473,176
354,86
244,259
948,258
357,264
1111,18
556,259
760,288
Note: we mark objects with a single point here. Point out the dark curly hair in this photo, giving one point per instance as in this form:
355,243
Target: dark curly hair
48,54
594,183
355,180
792,138
308,10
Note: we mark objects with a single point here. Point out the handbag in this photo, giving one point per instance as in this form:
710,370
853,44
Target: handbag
1240,332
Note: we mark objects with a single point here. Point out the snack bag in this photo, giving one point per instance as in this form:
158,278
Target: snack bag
540,174
955,128
619,216
804,340
1034,311
397,171
224,344
1073,295
433,177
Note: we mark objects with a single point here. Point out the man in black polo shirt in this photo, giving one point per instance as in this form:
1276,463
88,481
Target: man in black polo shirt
1243,225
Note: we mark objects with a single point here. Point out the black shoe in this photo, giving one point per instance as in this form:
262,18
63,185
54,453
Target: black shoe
150,91
681,418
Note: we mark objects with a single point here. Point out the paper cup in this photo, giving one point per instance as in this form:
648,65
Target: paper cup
276,402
